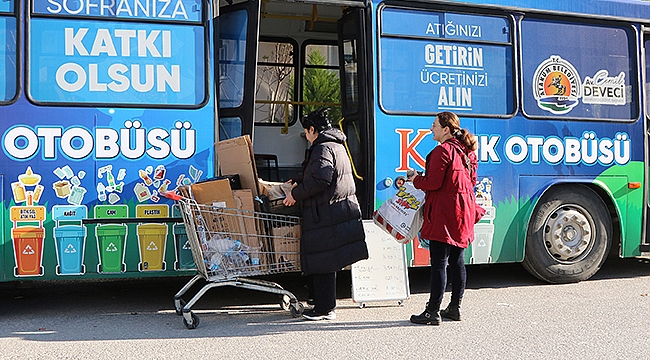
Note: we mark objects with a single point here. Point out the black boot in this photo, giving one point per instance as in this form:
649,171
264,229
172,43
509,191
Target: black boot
452,311
429,316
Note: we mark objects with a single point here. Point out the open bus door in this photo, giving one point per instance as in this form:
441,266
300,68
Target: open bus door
355,97
236,52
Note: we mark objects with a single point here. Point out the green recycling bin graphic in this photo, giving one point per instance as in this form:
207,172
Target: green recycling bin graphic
111,239
184,258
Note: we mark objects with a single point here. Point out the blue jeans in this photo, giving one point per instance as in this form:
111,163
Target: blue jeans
441,254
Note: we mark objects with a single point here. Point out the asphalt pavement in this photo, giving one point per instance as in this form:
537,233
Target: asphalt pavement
507,314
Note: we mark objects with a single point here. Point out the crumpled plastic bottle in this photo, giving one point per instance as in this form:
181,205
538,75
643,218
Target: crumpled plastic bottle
238,254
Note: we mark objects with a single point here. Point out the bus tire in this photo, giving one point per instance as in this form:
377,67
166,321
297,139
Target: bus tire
568,236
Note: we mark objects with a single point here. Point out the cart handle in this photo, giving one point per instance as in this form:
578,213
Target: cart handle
171,195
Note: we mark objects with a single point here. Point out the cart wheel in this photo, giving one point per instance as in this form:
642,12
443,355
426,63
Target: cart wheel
362,305
400,303
179,305
285,302
297,309
195,321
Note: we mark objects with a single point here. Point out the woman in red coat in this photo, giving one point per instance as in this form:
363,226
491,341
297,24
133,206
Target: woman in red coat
450,212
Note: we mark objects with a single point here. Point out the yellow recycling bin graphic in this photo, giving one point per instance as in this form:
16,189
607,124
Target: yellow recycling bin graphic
152,237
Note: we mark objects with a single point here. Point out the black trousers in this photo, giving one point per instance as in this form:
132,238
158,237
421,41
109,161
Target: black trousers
322,288
441,254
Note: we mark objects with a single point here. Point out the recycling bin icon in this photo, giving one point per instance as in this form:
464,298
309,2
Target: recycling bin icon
111,239
69,239
27,236
184,258
483,235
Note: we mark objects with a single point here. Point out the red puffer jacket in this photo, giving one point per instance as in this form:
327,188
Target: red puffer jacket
450,209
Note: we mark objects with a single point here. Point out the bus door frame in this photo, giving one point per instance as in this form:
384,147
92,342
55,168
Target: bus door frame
6,241
644,246
246,110
357,122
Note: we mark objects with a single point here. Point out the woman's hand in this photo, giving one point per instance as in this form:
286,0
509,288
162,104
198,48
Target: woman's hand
289,200
411,174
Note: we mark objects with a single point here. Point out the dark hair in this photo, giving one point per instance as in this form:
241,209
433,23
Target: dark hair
451,120
318,119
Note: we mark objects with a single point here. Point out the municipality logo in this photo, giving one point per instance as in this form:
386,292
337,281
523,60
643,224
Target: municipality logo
557,85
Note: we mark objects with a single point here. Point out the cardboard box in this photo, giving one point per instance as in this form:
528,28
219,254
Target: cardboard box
235,220
285,242
252,228
245,199
217,193
211,192
236,157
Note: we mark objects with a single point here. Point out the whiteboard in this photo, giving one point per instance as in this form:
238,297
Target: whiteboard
384,275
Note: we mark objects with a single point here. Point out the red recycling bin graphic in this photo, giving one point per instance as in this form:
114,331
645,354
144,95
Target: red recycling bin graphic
27,236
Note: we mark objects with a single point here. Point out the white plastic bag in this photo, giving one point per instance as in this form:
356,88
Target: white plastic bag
402,215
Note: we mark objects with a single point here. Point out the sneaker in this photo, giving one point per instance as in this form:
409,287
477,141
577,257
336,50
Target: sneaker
314,316
426,318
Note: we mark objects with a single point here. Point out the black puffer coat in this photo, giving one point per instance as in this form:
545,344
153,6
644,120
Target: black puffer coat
332,231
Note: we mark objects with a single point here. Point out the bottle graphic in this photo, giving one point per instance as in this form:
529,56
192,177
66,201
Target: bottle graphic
101,192
159,173
19,192
145,177
110,179
38,191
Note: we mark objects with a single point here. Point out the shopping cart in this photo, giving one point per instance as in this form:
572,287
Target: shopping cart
229,245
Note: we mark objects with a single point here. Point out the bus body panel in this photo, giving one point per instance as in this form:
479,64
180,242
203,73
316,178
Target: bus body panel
68,151
104,156
626,9
519,179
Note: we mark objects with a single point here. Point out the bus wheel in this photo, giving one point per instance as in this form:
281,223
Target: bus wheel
569,235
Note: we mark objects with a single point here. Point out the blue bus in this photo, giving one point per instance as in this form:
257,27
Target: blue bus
108,104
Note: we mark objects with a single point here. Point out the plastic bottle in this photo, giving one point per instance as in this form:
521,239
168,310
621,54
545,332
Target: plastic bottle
215,261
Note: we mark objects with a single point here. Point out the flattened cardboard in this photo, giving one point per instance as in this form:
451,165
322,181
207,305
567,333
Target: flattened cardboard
251,231
236,157
285,241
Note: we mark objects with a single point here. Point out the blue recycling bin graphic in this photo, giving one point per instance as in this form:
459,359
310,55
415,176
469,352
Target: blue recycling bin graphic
69,238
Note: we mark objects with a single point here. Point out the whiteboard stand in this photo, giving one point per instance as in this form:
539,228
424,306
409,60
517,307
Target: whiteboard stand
384,275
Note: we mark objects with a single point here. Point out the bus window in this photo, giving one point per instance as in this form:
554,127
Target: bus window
350,73
587,75
8,34
232,58
320,79
229,128
76,58
434,61
275,85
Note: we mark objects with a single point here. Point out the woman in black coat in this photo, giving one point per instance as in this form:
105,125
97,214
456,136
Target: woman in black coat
332,231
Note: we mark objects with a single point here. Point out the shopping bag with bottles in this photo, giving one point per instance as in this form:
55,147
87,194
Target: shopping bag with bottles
402,215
